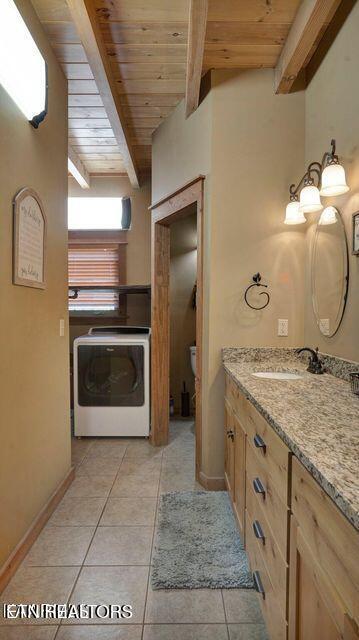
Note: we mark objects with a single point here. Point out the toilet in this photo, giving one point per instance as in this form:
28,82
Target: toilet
193,359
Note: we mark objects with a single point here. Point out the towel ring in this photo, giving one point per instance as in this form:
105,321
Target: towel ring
257,283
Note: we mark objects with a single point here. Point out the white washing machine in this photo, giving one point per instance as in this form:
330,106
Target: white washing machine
112,382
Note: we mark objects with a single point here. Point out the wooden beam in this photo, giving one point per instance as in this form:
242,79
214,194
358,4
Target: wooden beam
310,22
195,51
84,17
77,169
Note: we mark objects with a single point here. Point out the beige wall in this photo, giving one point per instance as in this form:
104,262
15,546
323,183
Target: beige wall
183,274
35,429
332,107
255,134
181,149
250,160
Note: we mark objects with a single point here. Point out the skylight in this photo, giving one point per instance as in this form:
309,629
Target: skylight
22,67
95,213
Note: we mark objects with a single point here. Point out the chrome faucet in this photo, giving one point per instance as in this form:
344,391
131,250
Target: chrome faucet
315,364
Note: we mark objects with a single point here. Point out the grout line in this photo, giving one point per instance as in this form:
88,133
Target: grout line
225,614
90,543
152,543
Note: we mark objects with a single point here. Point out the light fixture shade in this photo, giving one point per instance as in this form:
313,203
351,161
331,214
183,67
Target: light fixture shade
293,215
22,66
310,199
333,181
328,216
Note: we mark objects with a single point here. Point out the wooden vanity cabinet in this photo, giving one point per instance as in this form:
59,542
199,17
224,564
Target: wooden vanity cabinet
303,552
324,565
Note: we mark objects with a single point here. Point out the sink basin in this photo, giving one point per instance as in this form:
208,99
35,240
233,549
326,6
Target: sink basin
277,375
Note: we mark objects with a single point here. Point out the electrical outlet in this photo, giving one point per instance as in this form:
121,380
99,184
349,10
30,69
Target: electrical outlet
62,328
324,326
282,327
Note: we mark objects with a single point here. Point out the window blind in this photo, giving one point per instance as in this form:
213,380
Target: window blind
94,265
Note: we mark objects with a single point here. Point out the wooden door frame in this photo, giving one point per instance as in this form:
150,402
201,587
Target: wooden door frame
164,213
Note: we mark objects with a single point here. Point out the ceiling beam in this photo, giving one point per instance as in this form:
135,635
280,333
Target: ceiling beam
77,169
84,17
310,22
195,50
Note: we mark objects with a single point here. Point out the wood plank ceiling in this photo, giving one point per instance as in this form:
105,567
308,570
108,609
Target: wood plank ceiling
146,42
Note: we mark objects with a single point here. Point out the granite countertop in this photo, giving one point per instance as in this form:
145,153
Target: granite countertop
316,416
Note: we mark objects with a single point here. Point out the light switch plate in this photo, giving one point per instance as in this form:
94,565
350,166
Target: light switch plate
282,327
62,327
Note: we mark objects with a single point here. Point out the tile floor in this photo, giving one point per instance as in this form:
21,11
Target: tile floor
97,546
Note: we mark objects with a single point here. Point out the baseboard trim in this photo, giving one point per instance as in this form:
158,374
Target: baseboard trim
211,483
12,563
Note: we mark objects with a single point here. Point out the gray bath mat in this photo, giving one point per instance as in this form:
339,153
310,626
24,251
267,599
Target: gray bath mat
197,544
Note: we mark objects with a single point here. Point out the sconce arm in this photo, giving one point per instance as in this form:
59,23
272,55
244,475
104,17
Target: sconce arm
316,168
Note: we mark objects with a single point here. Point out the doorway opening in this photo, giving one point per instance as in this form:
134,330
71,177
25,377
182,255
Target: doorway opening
185,202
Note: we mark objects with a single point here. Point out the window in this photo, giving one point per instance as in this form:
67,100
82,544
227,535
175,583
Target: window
22,67
97,268
95,213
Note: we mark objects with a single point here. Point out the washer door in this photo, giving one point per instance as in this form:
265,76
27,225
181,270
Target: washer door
111,375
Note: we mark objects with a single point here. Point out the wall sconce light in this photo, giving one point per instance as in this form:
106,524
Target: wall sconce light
328,216
293,214
325,178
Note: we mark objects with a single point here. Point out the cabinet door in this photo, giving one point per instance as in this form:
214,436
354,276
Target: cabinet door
239,473
315,611
229,435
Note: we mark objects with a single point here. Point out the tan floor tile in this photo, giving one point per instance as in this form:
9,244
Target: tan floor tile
190,605
141,449
129,511
90,487
60,546
121,546
185,632
183,446
81,446
27,633
178,475
242,606
100,632
137,478
247,632
107,449
99,467
113,585
77,512
39,585
141,466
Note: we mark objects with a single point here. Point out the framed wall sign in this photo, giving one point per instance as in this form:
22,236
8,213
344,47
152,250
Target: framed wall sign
356,233
29,240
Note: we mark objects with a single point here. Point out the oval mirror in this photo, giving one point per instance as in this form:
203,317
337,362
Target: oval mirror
330,271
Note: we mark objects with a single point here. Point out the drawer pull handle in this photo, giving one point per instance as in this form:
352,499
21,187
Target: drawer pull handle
258,487
258,531
259,443
258,584
230,434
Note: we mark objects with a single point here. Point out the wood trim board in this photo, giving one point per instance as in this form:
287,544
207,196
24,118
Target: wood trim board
164,213
12,563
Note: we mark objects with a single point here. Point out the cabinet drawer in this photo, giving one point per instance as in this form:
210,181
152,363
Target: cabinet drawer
273,508
274,558
269,449
333,541
235,397
273,615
